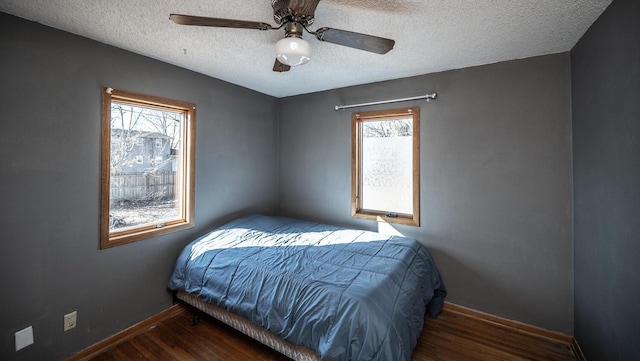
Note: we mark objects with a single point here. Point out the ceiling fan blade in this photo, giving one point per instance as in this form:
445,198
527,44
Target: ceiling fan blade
279,67
304,7
364,42
220,23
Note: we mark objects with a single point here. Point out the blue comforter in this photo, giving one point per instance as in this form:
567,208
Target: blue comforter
347,294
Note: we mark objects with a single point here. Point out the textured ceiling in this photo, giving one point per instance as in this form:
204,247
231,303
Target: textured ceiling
430,36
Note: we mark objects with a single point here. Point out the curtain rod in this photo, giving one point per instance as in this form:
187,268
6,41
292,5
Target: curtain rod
428,97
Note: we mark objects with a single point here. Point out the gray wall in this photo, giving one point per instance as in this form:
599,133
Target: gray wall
496,205
606,129
50,102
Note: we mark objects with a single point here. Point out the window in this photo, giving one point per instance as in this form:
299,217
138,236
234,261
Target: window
385,166
141,199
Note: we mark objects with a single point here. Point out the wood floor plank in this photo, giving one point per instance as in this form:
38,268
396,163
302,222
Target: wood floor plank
452,336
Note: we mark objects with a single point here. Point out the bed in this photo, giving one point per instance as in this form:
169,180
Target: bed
312,291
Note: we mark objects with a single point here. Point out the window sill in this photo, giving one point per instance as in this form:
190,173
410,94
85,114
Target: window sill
405,219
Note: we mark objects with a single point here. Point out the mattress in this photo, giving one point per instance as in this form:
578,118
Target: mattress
345,294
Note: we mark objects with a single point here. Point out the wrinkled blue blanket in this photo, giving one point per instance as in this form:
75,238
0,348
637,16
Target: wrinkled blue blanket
347,294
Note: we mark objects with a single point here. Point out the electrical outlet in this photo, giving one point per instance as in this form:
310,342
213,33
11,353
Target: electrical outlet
24,338
70,320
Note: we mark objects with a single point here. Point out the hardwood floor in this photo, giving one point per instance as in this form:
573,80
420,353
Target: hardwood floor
177,339
457,334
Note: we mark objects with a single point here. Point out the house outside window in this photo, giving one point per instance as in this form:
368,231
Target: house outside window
148,159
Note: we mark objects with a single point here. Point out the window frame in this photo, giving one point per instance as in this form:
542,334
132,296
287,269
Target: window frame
187,182
357,211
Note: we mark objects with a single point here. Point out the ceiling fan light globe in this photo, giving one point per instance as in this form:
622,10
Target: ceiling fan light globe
293,51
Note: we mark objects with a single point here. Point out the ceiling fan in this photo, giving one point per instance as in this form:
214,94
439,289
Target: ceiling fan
294,16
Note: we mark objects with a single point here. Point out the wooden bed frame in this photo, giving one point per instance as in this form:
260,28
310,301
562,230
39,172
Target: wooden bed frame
260,334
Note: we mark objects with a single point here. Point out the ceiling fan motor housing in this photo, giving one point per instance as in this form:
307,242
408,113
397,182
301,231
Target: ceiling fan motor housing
282,13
